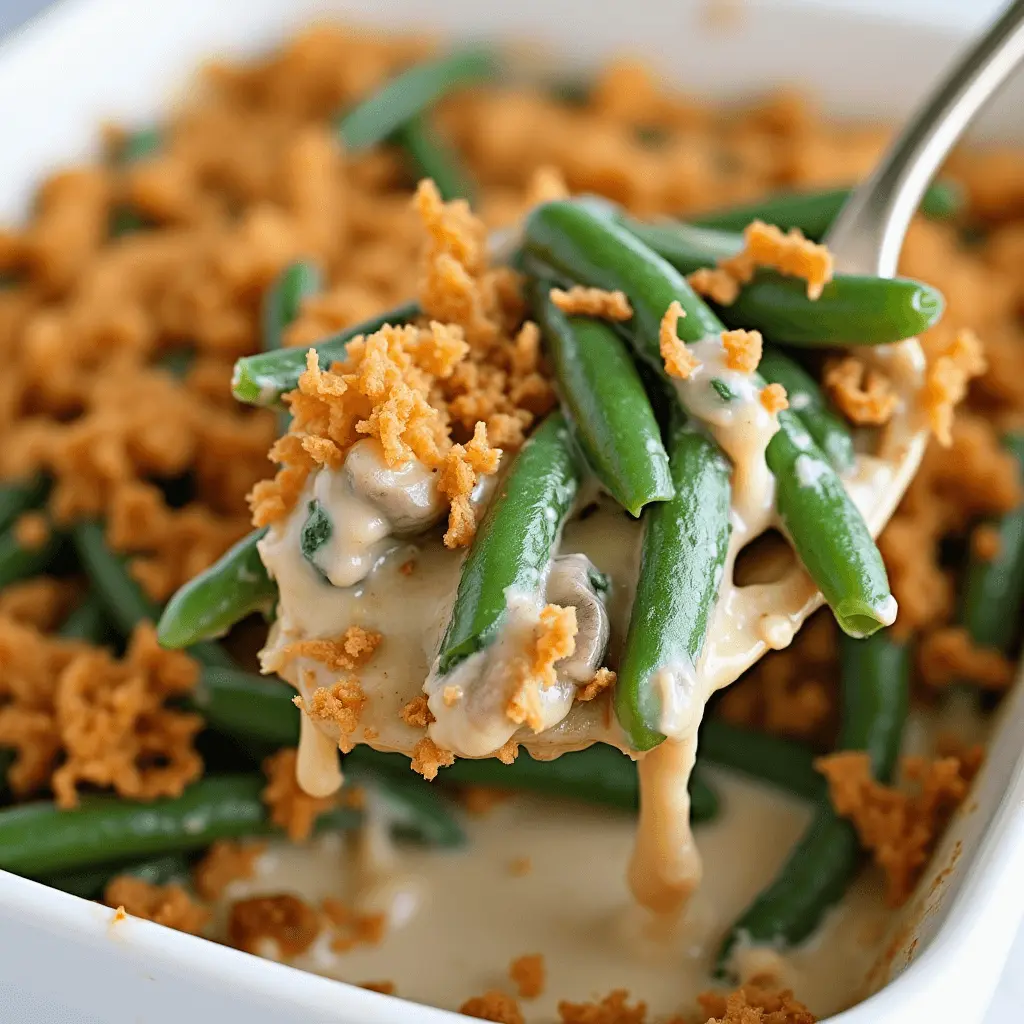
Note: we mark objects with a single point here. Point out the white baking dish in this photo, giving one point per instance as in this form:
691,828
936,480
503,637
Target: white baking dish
91,60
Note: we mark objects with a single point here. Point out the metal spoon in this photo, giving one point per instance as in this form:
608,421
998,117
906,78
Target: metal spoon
867,235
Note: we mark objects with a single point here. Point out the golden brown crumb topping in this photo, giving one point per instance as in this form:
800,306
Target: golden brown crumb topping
226,861
899,827
494,1006
76,715
679,360
716,284
347,652
534,669
287,921
340,705
612,1009
528,975
764,245
742,350
604,679
41,603
946,383
949,655
428,757
169,905
291,807
581,301
773,397
417,713
864,394
753,1004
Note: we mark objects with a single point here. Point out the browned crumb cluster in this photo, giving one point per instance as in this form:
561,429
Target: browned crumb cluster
169,905
754,1004
76,715
773,397
678,359
493,1006
428,758
614,1008
340,705
742,350
226,861
42,602
899,825
946,383
604,679
528,974
291,807
534,669
764,245
417,713
581,301
284,921
863,393
472,369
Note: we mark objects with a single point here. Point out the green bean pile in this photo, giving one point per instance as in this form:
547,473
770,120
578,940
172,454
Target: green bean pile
621,422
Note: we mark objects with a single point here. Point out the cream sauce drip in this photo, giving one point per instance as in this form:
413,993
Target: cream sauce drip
573,907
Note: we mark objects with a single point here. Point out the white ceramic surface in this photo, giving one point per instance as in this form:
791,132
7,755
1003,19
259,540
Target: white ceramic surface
93,59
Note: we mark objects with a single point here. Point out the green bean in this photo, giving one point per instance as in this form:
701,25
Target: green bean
247,706
412,92
122,598
283,300
90,883
605,403
87,622
874,676
828,532
514,542
433,157
852,310
18,562
598,775
41,839
681,566
263,378
236,585
18,497
577,243
813,212
779,762
993,591
830,432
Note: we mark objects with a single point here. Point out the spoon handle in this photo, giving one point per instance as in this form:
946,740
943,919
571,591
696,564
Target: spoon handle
867,235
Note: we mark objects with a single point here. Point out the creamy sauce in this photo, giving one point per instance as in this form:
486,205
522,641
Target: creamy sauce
573,907
368,504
